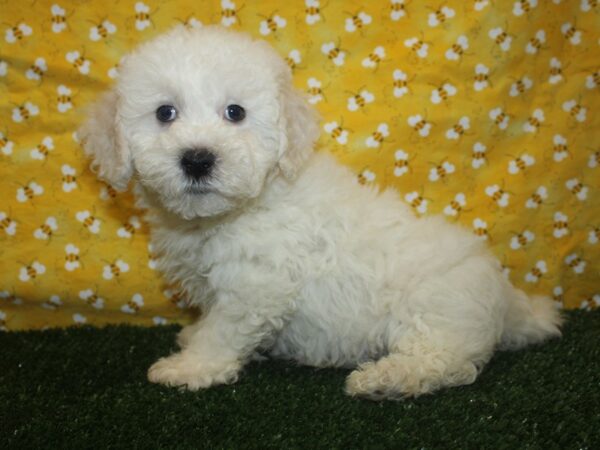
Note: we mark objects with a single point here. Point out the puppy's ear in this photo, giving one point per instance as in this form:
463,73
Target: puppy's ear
300,130
102,139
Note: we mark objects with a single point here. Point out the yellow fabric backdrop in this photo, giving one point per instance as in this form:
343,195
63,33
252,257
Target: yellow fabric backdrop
486,111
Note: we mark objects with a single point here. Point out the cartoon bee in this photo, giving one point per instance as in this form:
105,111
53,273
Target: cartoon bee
17,33
69,181
480,5
357,21
79,319
3,68
500,118
107,192
419,47
440,172
128,229
442,93
92,298
158,320
401,165
520,240
456,205
53,303
333,52
458,49
571,33
374,58
59,19
594,160
28,192
7,224
71,258
37,70
314,91
45,231
79,62
534,121
102,30
537,199
588,5
555,71
6,146
520,86
152,259
366,176
176,297
10,297
24,112
501,38
115,269
458,129
481,77
64,98
523,6
360,100
228,13
142,16
575,110
113,72
417,202
575,263
590,302
293,59
479,158
313,12
191,23
594,236
536,42
336,132
498,195
440,16
30,272
90,222
560,148
577,188
420,125
398,10
520,163
42,150
133,305
377,138
593,81
558,296
400,83
480,228
561,225
537,272
272,24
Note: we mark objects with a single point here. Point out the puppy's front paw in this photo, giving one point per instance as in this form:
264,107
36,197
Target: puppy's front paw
188,370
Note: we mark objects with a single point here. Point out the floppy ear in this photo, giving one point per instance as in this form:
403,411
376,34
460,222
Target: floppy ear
102,139
300,130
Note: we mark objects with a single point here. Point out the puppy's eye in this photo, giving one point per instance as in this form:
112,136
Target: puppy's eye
166,113
235,113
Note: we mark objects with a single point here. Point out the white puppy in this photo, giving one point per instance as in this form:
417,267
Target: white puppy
283,249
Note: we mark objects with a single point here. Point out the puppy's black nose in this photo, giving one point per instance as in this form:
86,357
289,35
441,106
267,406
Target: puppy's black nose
197,163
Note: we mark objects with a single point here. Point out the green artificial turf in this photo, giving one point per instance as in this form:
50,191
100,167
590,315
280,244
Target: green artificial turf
87,388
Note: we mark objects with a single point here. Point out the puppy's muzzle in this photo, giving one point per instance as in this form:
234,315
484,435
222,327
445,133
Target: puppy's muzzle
198,163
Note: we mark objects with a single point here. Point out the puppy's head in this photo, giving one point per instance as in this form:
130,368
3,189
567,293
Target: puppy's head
202,119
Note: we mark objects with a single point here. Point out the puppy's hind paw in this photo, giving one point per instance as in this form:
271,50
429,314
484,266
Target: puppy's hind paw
188,371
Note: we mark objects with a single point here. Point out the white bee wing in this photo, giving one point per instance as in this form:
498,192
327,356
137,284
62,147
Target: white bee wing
95,34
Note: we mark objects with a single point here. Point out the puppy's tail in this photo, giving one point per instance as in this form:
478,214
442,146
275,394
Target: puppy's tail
529,320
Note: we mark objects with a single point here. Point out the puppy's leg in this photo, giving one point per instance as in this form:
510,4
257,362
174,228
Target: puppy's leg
447,329
217,346
186,333
419,372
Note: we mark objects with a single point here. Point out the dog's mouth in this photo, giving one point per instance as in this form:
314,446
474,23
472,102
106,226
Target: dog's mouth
198,188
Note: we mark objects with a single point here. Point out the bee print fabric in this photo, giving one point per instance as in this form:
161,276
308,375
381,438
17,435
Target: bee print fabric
484,111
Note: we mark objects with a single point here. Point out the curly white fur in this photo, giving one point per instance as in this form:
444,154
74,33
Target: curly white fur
283,249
